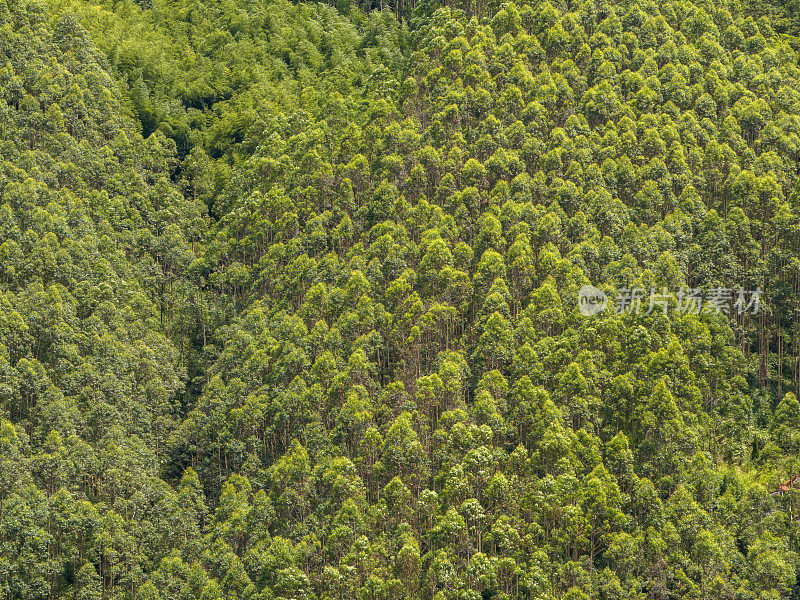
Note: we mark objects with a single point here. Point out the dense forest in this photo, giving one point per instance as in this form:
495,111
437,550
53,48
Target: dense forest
290,299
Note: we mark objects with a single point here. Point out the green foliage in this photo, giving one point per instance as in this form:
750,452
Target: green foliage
288,300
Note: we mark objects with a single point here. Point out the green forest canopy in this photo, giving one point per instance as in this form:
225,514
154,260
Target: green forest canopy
288,300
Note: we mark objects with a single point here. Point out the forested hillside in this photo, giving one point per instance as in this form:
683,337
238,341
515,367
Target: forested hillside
289,300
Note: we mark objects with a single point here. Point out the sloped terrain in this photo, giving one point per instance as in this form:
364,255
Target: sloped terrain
298,317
